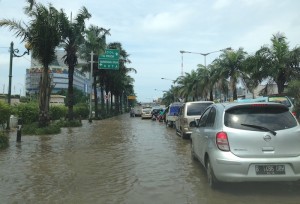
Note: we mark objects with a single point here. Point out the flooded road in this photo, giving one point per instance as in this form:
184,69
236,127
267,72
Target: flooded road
119,160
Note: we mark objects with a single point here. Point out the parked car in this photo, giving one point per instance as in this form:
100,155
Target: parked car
189,112
285,100
172,113
238,142
146,113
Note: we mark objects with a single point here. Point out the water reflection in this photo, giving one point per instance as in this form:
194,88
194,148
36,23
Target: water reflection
119,160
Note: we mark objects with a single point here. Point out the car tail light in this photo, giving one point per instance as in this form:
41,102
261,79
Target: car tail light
294,113
185,121
222,141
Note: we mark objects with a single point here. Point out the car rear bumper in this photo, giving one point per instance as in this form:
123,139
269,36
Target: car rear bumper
237,169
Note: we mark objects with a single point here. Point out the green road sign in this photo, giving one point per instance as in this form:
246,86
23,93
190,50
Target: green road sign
110,59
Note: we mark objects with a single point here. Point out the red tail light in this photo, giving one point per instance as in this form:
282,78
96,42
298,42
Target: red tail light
294,113
222,141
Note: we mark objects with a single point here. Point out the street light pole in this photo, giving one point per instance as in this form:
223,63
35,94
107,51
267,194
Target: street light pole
205,54
181,62
169,80
13,54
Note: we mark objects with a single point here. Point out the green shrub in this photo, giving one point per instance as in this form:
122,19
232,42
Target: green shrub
29,112
3,140
34,129
73,123
5,112
82,110
58,112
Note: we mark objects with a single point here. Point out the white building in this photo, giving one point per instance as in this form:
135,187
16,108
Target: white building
58,73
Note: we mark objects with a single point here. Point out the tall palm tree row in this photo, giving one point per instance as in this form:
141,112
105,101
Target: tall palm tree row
275,63
73,37
95,41
47,29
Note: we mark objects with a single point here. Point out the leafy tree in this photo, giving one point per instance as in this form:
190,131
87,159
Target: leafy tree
43,35
78,96
5,113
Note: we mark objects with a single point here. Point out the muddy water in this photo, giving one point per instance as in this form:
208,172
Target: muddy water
119,160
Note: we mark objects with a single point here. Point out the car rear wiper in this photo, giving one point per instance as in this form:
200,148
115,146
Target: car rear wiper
260,128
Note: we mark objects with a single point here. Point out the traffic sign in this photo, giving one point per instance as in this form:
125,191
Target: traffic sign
110,59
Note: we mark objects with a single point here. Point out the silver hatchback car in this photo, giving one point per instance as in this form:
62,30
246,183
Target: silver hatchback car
238,142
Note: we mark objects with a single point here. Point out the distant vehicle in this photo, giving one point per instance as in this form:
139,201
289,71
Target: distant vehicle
146,113
155,111
189,112
132,112
138,110
172,113
239,142
278,99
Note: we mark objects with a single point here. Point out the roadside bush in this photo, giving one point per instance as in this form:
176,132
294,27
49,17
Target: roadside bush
29,112
5,112
3,140
34,129
73,123
58,112
82,110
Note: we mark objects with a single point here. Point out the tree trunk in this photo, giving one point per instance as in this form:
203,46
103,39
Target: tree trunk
211,97
70,94
281,79
44,98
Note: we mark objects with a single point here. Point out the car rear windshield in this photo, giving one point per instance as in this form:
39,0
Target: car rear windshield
268,116
197,108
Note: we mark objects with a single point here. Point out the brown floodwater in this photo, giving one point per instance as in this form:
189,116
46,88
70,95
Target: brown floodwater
119,160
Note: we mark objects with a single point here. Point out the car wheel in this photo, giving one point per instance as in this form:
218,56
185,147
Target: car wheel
211,178
193,151
183,135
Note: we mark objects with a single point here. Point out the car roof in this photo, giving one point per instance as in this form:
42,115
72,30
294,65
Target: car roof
200,102
229,105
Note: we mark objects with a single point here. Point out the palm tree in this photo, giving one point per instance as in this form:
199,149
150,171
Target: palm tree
73,37
280,63
252,74
43,35
116,79
205,81
188,85
231,67
95,42
217,81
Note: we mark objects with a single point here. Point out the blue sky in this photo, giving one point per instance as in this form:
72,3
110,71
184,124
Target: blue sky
153,32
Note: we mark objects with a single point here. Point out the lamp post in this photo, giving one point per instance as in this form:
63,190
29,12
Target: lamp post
169,79
13,53
181,62
204,54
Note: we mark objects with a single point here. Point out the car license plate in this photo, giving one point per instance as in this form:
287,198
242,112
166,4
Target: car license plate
270,169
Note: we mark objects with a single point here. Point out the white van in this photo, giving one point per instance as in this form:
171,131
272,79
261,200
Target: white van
189,112
138,110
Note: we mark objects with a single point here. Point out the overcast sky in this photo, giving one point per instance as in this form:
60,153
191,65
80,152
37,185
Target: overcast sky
153,32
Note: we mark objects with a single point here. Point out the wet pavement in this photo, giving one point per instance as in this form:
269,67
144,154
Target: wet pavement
119,160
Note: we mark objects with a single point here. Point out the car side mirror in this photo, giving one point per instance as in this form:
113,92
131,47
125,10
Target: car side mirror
193,124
